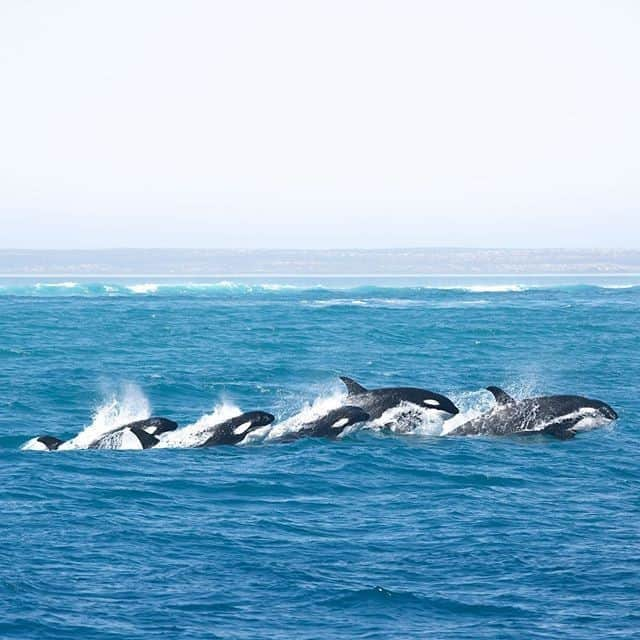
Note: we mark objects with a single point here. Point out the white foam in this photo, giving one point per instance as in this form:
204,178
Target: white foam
616,286
195,434
310,412
490,288
335,302
407,418
120,409
143,288
278,287
56,285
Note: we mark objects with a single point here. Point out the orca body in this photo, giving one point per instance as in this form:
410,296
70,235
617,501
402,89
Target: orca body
234,430
376,401
141,434
559,416
328,426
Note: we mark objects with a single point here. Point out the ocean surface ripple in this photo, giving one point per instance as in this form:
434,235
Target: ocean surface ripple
374,536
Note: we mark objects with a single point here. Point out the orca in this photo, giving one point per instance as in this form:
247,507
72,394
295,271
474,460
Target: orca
330,426
153,426
558,416
141,434
376,401
126,437
234,430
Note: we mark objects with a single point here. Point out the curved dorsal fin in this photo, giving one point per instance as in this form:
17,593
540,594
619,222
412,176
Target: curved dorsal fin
501,396
146,439
353,388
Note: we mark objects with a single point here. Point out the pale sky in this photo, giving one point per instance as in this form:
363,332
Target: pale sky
148,123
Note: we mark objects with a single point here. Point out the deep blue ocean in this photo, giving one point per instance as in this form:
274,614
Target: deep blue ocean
408,535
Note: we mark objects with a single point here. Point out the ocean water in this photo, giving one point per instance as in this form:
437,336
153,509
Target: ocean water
408,535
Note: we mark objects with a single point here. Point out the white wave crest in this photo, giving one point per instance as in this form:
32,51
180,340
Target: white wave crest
56,285
120,409
490,288
144,288
616,286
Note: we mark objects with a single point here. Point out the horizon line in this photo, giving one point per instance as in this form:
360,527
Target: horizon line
395,248
320,275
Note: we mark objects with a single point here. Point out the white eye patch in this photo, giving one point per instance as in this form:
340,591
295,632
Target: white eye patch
340,423
431,403
151,430
238,431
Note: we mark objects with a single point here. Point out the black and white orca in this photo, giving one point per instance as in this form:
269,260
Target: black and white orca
330,426
141,434
376,401
559,416
236,429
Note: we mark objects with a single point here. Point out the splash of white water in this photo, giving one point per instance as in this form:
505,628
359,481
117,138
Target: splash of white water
196,433
127,406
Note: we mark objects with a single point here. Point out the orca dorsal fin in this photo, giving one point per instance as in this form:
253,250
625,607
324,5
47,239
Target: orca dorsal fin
353,388
146,439
501,396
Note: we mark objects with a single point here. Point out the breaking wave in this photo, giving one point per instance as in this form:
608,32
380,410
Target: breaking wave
388,291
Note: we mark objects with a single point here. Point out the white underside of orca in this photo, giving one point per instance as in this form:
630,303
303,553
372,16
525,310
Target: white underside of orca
34,445
124,439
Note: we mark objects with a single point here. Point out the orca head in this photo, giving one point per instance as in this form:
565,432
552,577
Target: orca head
429,400
588,413
607,411
250,421
340,419
157,426
602,410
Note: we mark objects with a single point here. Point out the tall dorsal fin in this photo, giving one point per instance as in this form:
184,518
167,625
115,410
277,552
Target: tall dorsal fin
353,388
501,396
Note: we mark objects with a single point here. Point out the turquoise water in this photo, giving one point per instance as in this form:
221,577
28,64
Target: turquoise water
409,535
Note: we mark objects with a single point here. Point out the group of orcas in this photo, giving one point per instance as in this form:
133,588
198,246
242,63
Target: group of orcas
561,416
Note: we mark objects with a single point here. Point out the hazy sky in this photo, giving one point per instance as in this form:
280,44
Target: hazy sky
319,124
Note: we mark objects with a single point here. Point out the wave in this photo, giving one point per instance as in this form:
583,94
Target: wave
391,293
319,295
